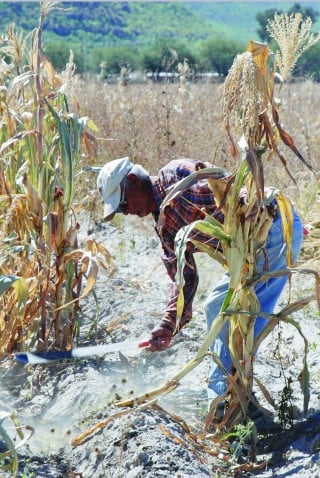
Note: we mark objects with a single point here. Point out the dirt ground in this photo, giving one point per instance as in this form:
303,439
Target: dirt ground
63,400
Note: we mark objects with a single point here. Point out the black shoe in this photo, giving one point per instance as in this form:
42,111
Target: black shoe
263,419
214,417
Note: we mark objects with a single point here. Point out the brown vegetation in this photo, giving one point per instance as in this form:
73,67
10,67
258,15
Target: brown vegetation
153,123
47,181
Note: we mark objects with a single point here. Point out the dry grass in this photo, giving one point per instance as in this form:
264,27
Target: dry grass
139,118
153,123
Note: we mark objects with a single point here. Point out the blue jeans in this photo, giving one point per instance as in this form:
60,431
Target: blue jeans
267,292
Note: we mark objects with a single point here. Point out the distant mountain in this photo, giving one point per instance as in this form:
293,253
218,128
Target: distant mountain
238,18
92,24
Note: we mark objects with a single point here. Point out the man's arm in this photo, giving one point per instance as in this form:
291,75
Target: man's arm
191,281
170,324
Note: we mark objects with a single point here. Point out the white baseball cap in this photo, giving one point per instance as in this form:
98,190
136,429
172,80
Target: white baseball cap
108,182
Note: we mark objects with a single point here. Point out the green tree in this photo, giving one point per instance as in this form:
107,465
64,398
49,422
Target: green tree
115,57
305,12
217,54
308,65
263,18
59,53
165,55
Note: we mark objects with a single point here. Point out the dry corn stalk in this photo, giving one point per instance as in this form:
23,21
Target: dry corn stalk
41,266
250,112
248,90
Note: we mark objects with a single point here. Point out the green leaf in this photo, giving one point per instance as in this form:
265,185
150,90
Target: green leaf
66,151
6,282
91,125
211,251
212,230
22,289
15,138
9,443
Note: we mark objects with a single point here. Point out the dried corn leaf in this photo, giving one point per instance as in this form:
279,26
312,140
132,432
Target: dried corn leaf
211,251
256,167
14,139
96,248
260,53
286,213
287,139
220,188
186,183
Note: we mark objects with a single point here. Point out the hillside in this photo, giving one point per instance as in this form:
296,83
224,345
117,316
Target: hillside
93,24
107,24
238,19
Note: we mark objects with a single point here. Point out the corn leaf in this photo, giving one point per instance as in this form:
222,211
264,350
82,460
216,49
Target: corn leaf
304,374
21,78
6,282
185,184
304,380
9,442
211,229
241,174
235,258
287,139
15,138
66,151
212,220
265,392
96,248
88,267
211,251
256,167
286,213
260,53
220,188
22,289
91,125
227,300
181,244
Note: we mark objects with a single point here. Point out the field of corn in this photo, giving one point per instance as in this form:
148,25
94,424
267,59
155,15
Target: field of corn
153,123
55,129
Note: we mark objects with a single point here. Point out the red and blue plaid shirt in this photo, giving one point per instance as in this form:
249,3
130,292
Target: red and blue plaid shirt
181,212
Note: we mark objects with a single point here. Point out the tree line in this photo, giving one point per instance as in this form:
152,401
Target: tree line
214,54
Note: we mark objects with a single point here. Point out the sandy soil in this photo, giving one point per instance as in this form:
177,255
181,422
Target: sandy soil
63,400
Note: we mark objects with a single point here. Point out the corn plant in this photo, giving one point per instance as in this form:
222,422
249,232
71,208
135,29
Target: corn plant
11,433
41,266
251,114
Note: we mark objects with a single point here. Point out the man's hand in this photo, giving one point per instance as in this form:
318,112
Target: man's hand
160,339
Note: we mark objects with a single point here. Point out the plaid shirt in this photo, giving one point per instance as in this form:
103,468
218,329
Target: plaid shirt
183,210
